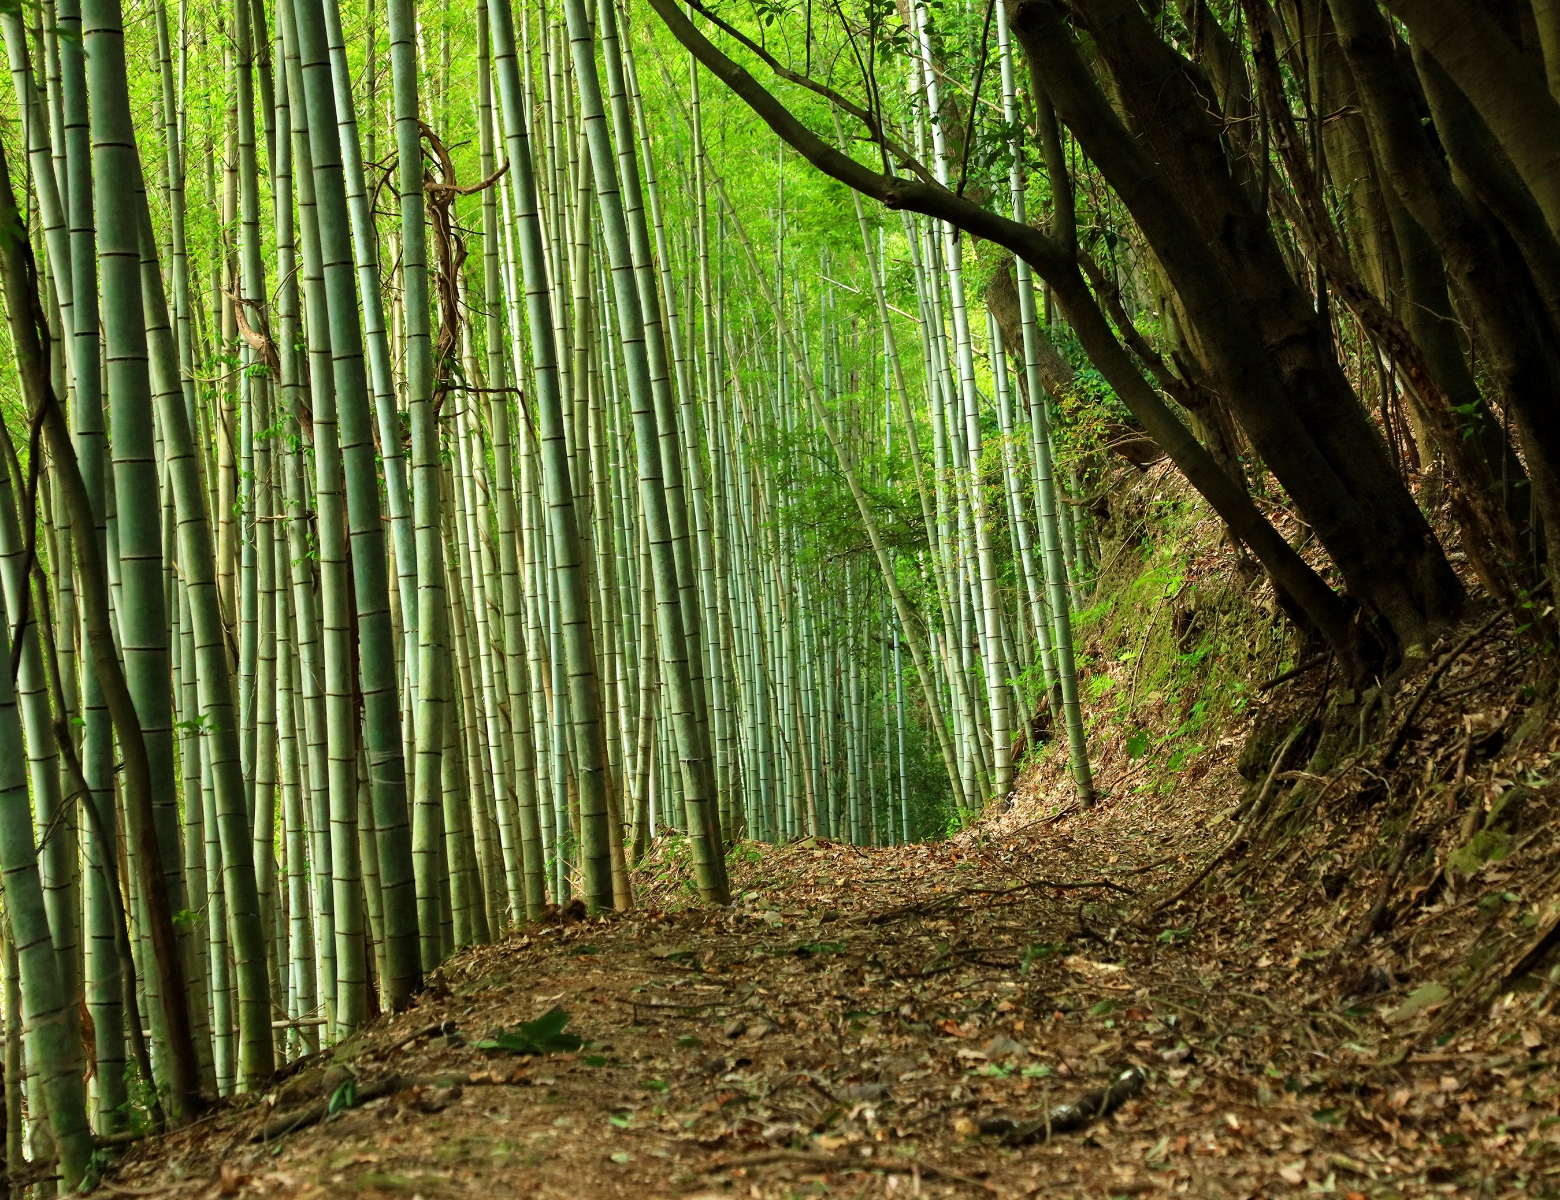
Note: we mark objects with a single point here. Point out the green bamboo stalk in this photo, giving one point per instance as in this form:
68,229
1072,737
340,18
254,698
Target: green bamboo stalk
365,250
579,642
1052,556
485,734
520,835
214,683
376,658
15,1152
308,591
341,727
431,610
302,990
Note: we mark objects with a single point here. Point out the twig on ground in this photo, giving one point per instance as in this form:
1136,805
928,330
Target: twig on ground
1257,807
289,1122
1400,730
1072,1116
1309,664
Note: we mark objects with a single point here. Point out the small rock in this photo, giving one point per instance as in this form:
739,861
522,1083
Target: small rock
759,1028
735,1028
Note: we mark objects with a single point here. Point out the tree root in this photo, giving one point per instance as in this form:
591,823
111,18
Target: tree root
1258,807
281,1124
1400,729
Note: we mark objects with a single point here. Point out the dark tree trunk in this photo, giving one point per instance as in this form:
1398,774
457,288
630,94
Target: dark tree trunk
1518,343
1269,350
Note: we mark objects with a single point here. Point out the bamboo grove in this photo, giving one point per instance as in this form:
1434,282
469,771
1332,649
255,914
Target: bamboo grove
451,459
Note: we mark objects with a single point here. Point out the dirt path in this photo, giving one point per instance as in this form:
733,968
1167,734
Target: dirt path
856,1019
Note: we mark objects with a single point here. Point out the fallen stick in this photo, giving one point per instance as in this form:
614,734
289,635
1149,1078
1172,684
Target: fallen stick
1072,1116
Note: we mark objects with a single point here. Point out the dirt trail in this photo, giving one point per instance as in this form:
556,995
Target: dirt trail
852,1024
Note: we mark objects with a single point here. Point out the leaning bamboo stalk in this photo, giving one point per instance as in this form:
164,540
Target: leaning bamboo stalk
56,1051
563,524
370,586
307,592
520,835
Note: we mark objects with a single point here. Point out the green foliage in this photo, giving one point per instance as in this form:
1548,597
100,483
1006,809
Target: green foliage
1172,644
542,1036
343,1098
1039,952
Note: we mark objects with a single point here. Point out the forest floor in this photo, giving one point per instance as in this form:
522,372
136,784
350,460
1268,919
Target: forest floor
901,1021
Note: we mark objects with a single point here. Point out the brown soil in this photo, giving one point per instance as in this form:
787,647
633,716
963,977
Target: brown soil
847,1026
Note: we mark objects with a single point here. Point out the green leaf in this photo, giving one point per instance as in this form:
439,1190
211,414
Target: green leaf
1039,952
542,1036
809,948
1424,998
1137,745
343,1098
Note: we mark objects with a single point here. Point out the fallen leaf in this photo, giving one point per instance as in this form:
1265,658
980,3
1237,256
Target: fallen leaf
1424,998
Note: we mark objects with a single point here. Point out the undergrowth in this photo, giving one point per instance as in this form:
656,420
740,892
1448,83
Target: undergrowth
1176,638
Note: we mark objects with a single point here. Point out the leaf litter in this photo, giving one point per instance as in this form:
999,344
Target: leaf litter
990,1015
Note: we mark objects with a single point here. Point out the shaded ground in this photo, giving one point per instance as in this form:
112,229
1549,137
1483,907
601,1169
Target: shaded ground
847,1026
